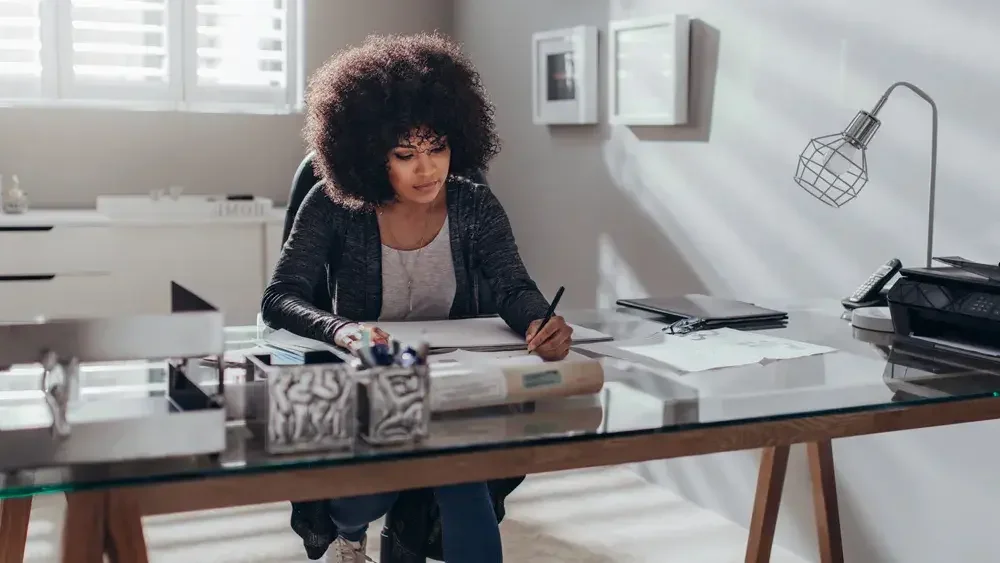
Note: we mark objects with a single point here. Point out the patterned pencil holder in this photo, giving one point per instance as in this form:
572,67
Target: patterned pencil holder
394,404
301,408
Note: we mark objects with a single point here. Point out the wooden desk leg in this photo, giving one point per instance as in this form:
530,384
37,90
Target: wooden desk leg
126,542
14,516
767,501
824,493
84,527
103,522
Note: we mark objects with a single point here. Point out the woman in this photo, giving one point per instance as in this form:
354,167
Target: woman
397,232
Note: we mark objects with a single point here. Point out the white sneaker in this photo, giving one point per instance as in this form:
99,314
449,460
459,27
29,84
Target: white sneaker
346,551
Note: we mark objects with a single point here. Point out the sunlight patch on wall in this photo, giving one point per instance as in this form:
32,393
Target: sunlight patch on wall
615,278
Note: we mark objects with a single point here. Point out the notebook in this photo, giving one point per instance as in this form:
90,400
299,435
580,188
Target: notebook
480,333
713,311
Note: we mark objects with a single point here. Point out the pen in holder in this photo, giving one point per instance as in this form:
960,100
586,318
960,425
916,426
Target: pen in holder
393,394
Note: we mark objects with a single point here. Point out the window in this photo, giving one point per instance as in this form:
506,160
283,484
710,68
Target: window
178,54
21,47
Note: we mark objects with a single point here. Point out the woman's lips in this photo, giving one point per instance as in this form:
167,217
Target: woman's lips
425,187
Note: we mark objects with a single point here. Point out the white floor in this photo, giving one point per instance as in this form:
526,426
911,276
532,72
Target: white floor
591,516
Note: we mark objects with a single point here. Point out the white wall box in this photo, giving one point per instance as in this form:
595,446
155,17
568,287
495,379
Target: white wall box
564,76
648,62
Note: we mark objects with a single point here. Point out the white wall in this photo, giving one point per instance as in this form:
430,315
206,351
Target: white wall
618,211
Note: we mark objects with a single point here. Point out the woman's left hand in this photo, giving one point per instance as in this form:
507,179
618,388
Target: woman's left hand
553,341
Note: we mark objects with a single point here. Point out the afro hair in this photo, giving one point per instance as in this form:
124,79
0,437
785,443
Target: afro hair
368,99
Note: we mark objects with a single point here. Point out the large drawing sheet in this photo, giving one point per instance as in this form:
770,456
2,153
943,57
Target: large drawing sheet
481,333
710,349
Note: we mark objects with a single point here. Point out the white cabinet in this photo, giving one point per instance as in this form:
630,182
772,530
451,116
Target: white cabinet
56,265
52,249
79,263
59,296
223,264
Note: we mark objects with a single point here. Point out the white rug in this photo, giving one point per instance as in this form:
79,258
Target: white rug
591,516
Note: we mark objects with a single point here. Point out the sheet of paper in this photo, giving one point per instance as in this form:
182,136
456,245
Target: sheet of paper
295,344
711,349
284,339
497,358
471,357
487,333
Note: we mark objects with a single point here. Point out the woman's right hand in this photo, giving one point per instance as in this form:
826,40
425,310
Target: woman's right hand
352,336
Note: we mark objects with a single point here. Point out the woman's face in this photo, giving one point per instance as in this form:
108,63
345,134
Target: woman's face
418,168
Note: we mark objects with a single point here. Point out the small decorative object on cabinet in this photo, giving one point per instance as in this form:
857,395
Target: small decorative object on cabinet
14,199
564,76
648,70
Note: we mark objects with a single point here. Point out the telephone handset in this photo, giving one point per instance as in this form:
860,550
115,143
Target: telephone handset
869,293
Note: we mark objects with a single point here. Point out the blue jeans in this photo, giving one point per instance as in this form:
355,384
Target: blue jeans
470,532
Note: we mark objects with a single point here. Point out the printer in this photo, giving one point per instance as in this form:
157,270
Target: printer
953,308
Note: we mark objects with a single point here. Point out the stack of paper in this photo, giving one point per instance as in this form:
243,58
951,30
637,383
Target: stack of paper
482,334
709,349
289,348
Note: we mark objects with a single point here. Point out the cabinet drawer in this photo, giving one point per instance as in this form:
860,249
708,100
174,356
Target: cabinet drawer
55,250
58,296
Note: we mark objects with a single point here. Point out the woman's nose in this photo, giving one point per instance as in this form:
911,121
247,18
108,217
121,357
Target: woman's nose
425,164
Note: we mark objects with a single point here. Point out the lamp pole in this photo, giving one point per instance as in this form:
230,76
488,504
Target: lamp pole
934,143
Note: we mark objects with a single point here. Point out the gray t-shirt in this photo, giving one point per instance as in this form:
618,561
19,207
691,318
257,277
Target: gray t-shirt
418,284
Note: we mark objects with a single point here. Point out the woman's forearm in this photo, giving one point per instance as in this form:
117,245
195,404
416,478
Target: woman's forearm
288,300
524,307
283,308
518,299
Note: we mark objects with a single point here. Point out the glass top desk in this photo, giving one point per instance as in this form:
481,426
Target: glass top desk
644,412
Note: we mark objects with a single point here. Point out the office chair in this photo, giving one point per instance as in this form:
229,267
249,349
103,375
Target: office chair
304,180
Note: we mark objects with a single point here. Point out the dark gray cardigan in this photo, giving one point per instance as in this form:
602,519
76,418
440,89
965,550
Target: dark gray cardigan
331,245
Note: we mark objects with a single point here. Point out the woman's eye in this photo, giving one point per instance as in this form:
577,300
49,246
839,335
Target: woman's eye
440,149
404,156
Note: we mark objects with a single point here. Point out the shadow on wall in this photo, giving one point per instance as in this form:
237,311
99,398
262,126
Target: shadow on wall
702,73
645,239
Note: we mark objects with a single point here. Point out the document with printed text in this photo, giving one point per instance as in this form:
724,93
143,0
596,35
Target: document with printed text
709,349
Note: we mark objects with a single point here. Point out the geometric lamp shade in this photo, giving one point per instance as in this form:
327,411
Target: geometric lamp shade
834,168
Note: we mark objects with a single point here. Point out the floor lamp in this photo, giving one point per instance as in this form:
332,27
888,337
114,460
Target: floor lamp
834,168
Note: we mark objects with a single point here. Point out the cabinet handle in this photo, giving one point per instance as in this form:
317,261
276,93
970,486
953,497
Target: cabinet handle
32,277
22,229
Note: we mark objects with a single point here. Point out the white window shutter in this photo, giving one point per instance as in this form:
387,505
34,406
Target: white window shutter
119,50
241,52
226,55
21,52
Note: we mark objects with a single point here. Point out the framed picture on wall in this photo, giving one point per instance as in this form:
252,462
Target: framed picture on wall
648,60
564,76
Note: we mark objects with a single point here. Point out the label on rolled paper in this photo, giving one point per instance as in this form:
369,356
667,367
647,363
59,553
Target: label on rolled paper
549,378
468,390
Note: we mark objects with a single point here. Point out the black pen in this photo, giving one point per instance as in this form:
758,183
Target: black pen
552,309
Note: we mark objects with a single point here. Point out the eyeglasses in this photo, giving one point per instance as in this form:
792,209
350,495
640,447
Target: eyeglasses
684,326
